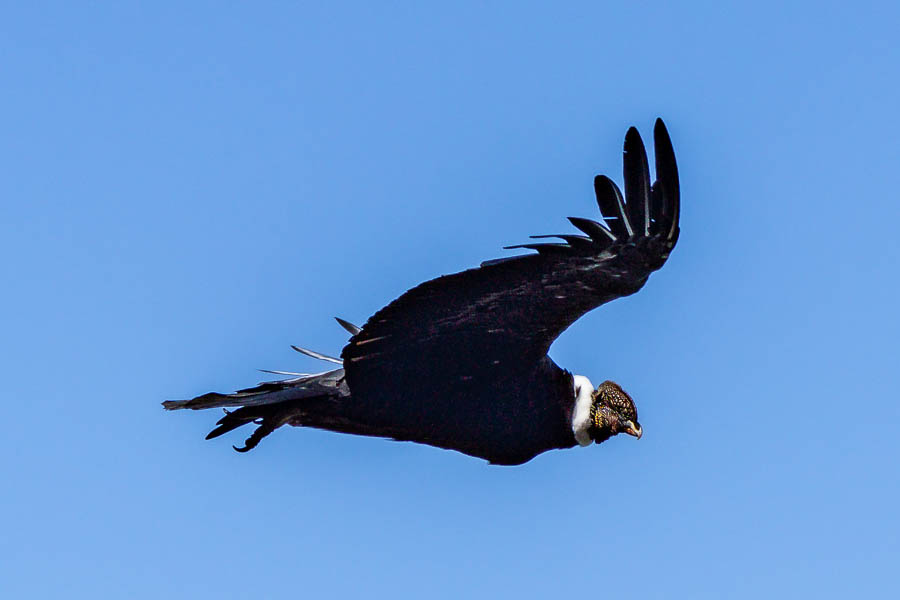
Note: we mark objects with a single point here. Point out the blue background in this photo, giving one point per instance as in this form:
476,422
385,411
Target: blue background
186,189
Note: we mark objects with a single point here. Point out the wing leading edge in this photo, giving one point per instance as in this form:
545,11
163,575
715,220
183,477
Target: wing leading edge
506,313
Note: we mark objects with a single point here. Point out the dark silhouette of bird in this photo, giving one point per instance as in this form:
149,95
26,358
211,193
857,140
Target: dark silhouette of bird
460,362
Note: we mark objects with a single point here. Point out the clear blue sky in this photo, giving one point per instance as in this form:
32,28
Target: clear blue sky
187,189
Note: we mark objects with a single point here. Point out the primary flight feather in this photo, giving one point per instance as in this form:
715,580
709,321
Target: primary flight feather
460,362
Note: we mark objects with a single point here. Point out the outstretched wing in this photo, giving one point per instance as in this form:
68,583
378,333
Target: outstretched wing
505,314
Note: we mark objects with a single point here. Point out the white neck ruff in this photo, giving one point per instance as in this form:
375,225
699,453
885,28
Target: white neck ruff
581,416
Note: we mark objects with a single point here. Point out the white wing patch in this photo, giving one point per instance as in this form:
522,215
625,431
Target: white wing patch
581,416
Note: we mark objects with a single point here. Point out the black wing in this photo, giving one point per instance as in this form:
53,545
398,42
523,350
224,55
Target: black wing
506,314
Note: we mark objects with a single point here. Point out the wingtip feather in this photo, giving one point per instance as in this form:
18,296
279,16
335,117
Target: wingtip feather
637,182
667,177
601,235
612,206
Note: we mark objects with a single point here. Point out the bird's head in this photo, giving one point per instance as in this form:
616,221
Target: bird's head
612,412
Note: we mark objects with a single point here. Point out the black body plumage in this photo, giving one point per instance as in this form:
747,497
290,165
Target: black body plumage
460,362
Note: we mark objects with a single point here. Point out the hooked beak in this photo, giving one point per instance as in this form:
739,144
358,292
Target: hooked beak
632,428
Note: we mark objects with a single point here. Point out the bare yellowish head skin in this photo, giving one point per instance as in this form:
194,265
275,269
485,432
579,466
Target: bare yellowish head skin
613,412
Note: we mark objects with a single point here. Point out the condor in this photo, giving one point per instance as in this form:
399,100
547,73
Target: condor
460,362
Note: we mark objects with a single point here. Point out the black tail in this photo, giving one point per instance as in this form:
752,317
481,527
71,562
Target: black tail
269,405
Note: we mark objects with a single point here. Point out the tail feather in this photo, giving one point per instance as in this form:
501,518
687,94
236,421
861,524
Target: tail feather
269,405
268,392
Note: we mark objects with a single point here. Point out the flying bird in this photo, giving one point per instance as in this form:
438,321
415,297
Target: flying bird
460,362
